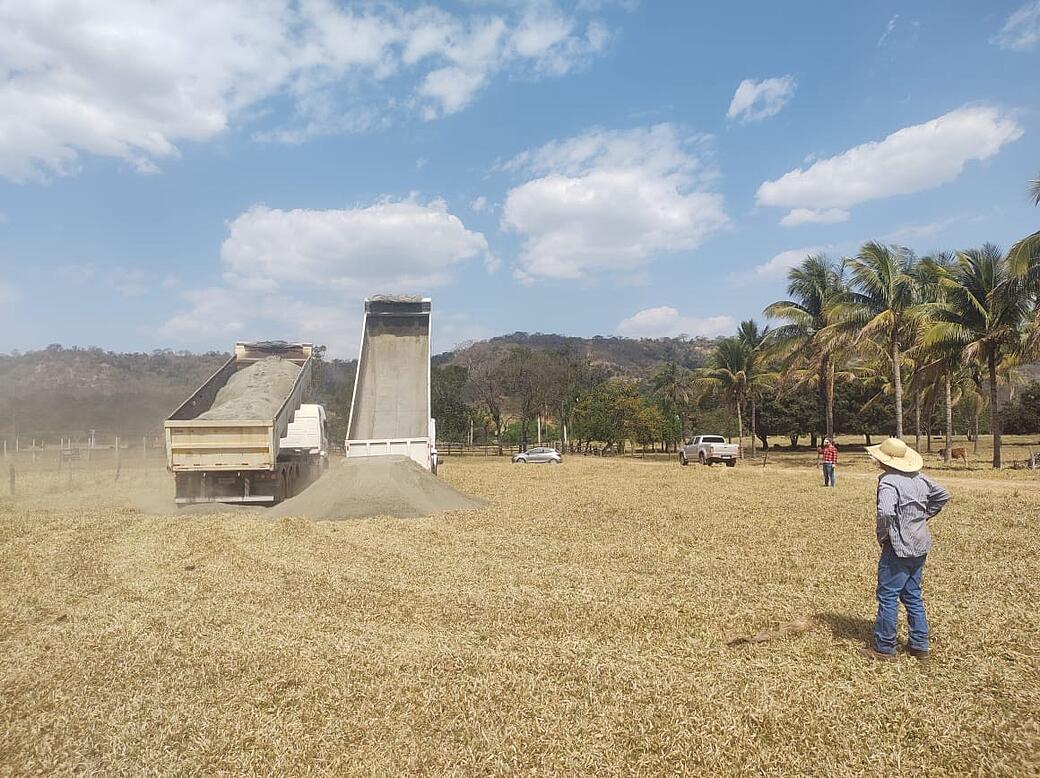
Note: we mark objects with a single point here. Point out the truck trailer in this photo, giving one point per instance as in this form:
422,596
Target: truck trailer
247,460
390,410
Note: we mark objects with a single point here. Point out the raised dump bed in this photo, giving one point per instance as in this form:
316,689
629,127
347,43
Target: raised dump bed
229,459
390,411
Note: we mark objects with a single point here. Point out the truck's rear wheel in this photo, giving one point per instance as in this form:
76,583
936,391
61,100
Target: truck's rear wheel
731,463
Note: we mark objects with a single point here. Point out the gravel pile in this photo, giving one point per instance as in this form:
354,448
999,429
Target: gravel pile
255,392
375,486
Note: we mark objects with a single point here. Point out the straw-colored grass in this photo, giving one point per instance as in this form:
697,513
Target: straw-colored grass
576,625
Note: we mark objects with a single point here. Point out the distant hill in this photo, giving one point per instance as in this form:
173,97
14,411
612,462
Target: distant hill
67,391
61,391
619,356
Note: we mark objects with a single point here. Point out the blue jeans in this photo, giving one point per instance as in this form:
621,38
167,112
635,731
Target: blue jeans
899,579
828,474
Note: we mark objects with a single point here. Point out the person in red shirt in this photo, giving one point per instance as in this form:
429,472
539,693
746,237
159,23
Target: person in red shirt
828,454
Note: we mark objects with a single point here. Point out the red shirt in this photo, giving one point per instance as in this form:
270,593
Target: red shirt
829,452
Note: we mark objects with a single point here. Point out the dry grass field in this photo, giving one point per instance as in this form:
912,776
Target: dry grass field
578,624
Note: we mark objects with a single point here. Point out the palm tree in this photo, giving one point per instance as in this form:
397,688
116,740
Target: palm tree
934,281
672,387
727,375
982,320
753,340
881,306
814,286
1024,260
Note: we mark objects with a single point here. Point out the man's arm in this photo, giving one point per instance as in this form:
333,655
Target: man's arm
887,499
938,496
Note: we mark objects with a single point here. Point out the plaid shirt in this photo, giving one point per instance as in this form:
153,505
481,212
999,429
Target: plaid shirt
829,453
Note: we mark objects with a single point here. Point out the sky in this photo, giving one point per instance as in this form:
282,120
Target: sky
184,175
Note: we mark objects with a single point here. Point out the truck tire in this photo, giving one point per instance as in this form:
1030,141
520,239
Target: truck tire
731,463
682,459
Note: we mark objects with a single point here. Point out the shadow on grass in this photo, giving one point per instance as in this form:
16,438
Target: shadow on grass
845,627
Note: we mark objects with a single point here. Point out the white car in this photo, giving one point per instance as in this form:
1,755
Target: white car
538,455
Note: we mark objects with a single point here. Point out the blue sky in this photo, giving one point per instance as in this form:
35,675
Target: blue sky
185,176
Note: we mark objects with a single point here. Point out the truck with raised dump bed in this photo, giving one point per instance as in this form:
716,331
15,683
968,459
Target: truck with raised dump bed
390,410
235,440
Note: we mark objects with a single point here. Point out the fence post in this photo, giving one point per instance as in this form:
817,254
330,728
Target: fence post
117,458
11,470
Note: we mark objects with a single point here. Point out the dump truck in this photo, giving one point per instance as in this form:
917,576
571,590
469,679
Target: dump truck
390,410
246,460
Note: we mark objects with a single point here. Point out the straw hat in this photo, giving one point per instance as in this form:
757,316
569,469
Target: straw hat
896,454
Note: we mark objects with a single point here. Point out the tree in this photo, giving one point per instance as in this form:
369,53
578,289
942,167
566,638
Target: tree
447,385
730,376
815,286
1024,264
794,413
485,385
982,320
524,376
753,339
1022,417
606,412
881,307
672,386
935,364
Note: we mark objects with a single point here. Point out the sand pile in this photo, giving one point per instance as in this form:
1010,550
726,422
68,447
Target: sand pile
255,392
375,486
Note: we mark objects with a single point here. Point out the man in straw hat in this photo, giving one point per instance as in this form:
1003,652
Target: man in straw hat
906,500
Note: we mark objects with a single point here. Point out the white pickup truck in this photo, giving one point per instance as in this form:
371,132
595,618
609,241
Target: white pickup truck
709,449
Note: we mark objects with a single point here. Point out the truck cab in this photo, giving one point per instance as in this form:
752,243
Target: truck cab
307,437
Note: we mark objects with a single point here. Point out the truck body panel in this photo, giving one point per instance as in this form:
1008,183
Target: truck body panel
238,460
390,410
709,449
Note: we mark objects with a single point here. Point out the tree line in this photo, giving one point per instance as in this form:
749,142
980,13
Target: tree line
858,342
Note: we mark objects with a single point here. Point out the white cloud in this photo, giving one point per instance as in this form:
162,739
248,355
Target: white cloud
609,201
479,204
450,329
227,313
130,282
302,274
1021,31
912,159
389,246
799,216
776,267
889,29
667,322
211,309
133,80
899,34
757,100
8,293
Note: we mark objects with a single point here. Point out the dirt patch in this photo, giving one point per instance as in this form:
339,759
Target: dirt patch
375,486
255,392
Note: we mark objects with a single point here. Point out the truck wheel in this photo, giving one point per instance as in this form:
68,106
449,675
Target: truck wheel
682,459
731,463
